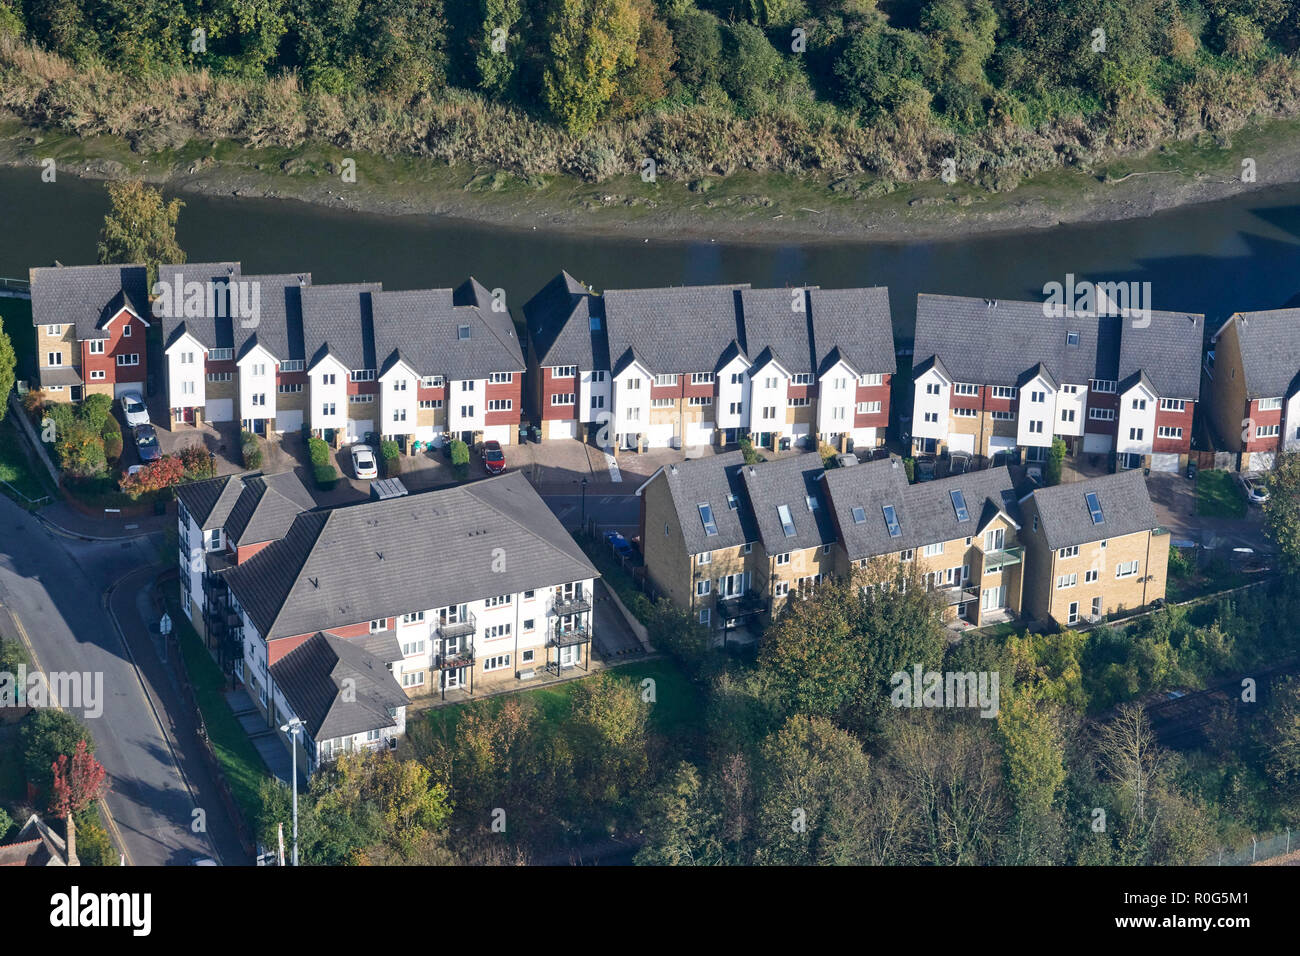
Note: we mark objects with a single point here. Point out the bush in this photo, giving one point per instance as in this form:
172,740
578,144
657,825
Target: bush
34,403
155,476
326,476
389,450
460,459
112,435
80,449
1052,473
747,450
319,451
96,409
93,845
909,464
392,467
251,450
45,734
197,462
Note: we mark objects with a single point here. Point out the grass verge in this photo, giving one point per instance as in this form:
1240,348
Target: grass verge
1219,496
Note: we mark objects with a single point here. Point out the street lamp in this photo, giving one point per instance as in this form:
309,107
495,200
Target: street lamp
584,504
294,729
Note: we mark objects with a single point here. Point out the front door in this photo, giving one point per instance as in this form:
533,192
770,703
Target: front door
569,655
453,678
993,598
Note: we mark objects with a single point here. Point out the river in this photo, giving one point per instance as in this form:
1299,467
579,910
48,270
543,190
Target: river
1237,254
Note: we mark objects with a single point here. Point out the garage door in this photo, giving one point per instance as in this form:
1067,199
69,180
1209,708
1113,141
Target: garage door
964,443
121,388
561,429
999,443
220,410
659,436
1097,444
289,420
698,433
499,433
358,428
1164,462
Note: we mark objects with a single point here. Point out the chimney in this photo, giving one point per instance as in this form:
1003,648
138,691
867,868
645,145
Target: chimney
72,842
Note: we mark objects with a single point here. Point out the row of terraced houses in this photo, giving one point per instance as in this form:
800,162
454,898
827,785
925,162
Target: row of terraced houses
671,367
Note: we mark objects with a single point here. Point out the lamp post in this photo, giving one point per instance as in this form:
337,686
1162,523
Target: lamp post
294,729
584,504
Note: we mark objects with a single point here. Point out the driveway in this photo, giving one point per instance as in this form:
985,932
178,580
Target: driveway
1174,499
613,638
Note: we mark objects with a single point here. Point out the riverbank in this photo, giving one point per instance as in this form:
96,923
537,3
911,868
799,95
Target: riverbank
741,207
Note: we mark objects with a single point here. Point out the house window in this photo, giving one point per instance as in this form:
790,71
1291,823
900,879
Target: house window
1269,404
780,589
701,378
1135,434
413,618
1103,385
1073,616
703,587
634,414
187,388
55,359
430,403
328,378
496,630
803,378
783,558
378,625
132,359
868,408
399,415
501,600
431,381
665,380
930,550
1067,580
875,378
467,411
661,403
1005,391
526,657
1126,569
126,329
931,416
1003,416
361,399
1165,431
965,388
769,412
399,385
1267,431
97,375
704,557
219,376
1067,414
1070,552
564,371
500,404
501,378
798,402
1036,427
225,355
1178,404
906,555
291,389
497,663
566,398
53,330
288,365
932,388
1101,414
415,679
704,615
1071,338
411,648
1140,404
467,385
1090,576
258,369
327,408
700,400
97,347
598,401
259,398
1038,397
462,333
633,383
529,624
961,412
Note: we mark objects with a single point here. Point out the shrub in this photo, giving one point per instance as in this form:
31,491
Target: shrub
80,449
460,459
392,467
44,734
389,449
251,450
1052,472
319,451
326,476
93,845
155,476
34,403
197,462
909,464
96,409
112,436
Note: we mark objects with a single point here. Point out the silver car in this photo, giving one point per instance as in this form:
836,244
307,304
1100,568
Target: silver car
363,462
133,409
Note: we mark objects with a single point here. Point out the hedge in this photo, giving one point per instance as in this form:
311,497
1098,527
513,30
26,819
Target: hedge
319,451
326,476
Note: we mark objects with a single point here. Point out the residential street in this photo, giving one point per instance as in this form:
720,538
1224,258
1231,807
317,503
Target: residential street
55,588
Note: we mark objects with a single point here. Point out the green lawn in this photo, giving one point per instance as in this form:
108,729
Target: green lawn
28,477
678,707
16,320
1219,496
240,762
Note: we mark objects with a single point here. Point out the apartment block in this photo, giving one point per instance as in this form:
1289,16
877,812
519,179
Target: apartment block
1093,548
1254,385
91,323
459,590
996,379
705,365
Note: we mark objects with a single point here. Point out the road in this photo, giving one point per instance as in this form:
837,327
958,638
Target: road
56,590
621,512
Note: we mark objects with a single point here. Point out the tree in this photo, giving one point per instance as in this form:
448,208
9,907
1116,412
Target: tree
1282,510
1034,753
155,476
8,362
607,730
751,67
6,824
1131,757
683,824
45,734
589,41
496,67
141,228
1055,461
78,781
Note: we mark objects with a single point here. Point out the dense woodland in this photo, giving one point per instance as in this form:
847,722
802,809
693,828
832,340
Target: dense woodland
1009,86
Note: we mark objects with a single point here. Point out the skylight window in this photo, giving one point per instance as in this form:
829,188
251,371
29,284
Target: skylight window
594,323
812,502
706,516
787,522
462,333
1094,507
733,502
1071,338
859,515
959,505
891,522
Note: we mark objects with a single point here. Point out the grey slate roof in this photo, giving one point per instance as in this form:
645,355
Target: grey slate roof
313,674
337,320
1270,351
559,319
856,322
993,344
210,331
60,375
672,330
266,507
279,326
209,502
789,481
379,558
925,510
1168,350
771,324
710,481
422,328
1125,505
88,296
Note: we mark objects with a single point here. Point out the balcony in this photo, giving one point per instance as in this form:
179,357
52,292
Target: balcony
995,561
451,630
745,604
450,660
953,596
573,634
576,603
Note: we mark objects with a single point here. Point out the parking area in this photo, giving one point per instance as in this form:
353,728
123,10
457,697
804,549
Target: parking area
1174,499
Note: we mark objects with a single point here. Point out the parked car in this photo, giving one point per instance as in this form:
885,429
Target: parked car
133,409
925,468
363,462
494,459
1255,490
146,443
959,464
620,545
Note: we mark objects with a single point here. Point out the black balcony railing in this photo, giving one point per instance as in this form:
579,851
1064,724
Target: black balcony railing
455,629
744,604
576,603
573,634
462,656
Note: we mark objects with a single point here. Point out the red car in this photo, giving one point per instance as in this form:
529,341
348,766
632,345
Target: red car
494,459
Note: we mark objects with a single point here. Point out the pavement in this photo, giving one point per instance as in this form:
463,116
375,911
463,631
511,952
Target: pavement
1174,499
144,735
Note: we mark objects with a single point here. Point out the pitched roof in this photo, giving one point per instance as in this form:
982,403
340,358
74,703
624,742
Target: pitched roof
857,323
266,507
794,483
715,481
454,333
1270,351
672,330
776,321
278,327
566,325
210,331
1167,346
88,296
36,844
992,342
337,320
378,558
926,512
209,501
312,675
1067,518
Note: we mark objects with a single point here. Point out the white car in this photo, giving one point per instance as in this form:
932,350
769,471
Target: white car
363,462
133,409
1255,489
